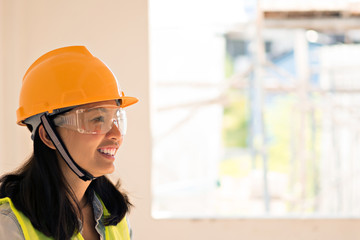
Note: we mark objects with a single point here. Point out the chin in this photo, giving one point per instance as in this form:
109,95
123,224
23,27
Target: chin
107,171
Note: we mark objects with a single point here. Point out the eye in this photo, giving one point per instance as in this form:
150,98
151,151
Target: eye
98,119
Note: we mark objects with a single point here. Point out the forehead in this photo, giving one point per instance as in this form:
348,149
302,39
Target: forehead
96,104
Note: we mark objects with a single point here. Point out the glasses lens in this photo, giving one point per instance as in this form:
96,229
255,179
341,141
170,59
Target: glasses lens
98,120
121,121
101,119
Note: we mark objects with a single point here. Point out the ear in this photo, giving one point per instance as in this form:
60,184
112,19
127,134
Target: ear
45,137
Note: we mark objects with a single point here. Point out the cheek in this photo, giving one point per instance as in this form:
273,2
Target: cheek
79,144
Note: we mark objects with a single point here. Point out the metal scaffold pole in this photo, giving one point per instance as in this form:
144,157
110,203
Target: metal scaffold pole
258,131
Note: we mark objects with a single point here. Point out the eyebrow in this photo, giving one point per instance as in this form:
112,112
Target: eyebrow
99,108
103,109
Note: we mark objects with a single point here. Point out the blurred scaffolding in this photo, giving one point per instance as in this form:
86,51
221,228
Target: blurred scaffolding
293,68
325,178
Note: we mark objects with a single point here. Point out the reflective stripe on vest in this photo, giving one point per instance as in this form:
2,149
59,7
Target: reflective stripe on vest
118,232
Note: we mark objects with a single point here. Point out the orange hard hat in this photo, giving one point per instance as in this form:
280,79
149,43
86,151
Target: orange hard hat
66,77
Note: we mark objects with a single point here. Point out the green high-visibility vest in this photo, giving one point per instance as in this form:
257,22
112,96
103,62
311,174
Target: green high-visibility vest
118,232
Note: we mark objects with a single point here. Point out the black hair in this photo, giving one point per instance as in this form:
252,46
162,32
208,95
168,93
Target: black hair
39,190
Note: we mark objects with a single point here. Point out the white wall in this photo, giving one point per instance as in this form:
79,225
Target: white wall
117,32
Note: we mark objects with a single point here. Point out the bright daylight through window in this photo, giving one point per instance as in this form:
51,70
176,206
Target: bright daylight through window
255,109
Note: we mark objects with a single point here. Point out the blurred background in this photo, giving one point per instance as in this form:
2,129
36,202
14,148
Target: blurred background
248,120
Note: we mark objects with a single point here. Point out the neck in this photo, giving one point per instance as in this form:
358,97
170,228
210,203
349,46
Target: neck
77,185
79,188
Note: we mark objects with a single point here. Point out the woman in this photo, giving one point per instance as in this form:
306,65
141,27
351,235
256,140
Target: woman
71,103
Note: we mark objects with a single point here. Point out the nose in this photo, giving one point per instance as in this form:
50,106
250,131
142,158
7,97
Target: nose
114,133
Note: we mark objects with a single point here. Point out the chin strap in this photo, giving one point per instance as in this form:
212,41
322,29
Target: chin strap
60,146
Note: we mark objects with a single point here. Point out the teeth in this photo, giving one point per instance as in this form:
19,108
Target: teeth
108,151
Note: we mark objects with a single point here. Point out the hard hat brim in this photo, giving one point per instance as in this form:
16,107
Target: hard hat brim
127,101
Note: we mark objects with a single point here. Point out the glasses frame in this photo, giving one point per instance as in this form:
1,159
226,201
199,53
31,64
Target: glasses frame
72,119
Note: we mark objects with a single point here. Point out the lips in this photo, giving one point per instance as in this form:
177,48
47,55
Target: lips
109,151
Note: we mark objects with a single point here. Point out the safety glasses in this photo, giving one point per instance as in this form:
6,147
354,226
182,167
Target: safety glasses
96,120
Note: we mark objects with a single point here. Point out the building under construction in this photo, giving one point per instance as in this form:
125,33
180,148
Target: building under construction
294,68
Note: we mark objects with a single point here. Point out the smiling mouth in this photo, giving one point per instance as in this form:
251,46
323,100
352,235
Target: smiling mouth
108,151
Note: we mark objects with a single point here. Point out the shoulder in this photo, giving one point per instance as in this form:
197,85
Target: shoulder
129,227
100,209
9,226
